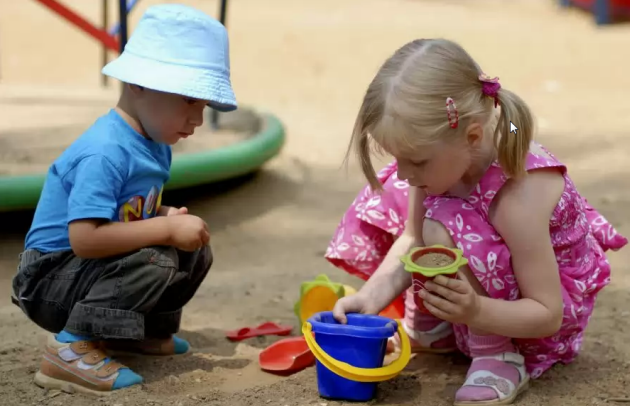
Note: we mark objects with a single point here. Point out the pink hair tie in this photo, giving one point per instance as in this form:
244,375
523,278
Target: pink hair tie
490,87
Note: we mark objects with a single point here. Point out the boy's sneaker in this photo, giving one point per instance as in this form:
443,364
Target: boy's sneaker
150,346
81,366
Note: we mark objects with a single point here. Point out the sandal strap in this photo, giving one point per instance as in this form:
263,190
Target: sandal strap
488,379
94,357
109,369
83,347
515,359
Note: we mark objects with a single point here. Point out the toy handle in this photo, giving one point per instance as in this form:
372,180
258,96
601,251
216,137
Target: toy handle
352,373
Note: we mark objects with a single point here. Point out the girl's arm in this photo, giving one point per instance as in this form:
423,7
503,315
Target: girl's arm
390,279
521,216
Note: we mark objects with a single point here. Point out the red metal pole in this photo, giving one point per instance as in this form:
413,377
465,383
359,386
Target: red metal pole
104,26
99,34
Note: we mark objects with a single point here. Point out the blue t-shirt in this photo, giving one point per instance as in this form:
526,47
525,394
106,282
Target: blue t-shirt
110,172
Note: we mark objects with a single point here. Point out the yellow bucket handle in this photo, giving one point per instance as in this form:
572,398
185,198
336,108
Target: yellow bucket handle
360,374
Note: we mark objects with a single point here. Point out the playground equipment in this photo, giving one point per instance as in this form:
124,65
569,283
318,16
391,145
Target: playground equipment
100,34
603,10
108,37
350,356
190,169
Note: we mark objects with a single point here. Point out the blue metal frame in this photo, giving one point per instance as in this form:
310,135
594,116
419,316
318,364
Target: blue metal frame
601,10
115,30
214,116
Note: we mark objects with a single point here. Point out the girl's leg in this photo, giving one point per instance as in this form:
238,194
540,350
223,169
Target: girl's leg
497,372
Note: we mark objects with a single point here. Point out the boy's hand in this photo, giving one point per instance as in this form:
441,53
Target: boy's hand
188,232
174,211
449,299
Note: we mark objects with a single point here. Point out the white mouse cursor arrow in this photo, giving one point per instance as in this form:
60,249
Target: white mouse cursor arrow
513,128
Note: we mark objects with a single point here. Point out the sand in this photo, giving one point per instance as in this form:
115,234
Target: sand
310,63
434,260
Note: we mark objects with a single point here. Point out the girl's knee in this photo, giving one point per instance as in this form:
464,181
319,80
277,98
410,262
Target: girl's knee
434,233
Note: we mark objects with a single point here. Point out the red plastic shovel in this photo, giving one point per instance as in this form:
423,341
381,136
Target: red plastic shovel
265,329
287,355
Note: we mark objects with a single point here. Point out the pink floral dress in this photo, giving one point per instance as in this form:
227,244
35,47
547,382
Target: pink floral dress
579,234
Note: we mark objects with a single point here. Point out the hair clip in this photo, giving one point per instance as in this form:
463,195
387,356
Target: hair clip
451,113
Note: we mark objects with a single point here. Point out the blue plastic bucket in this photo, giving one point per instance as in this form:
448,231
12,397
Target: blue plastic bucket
361,343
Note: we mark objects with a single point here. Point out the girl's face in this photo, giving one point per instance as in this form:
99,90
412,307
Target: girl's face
436,168
167,117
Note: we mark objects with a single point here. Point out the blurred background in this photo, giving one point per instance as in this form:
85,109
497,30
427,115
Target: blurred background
308,63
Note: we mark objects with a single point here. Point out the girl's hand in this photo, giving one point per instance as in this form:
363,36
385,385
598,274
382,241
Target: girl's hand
357,303
458,303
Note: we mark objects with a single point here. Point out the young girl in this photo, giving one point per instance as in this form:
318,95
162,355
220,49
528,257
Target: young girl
464,177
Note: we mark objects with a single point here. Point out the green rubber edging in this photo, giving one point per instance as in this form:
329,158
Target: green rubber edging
192,169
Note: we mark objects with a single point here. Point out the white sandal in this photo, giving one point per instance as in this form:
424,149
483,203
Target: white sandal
506,390
423,341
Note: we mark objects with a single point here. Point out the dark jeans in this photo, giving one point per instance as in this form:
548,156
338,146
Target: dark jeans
136,296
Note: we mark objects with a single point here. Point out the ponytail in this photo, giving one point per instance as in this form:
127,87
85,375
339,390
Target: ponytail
513,148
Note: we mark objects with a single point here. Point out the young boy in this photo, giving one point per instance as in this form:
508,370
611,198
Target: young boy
105,265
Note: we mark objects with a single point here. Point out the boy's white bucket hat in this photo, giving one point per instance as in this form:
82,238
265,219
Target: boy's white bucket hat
178,49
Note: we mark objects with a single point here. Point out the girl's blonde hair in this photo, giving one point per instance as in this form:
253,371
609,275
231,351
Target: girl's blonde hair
405,105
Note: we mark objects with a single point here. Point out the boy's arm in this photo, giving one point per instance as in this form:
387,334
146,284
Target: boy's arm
95,184
96,239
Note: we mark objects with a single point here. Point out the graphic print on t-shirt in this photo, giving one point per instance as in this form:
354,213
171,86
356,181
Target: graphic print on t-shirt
141,207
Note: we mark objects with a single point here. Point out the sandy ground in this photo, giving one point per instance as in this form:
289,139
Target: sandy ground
309,62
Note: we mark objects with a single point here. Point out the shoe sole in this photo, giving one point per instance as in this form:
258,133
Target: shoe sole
46,382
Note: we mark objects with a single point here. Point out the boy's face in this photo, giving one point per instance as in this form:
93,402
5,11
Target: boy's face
168,117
